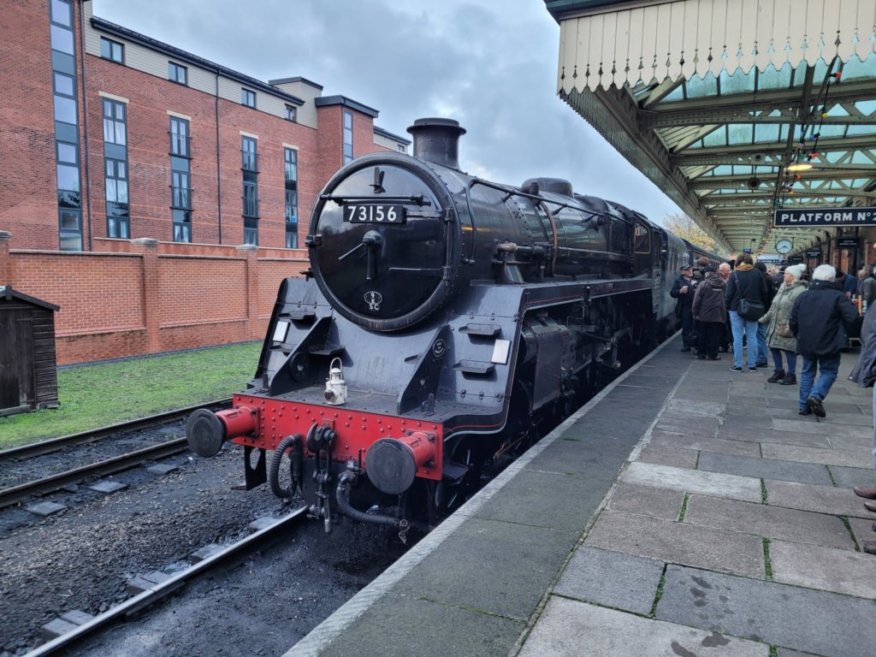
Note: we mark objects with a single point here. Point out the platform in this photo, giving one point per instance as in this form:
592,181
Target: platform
687,510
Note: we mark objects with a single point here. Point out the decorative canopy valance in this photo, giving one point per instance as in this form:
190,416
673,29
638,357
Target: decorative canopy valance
690,38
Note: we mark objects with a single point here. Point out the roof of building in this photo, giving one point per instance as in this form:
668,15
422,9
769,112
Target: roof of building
389,135
8,294
182,55
297,78
327,101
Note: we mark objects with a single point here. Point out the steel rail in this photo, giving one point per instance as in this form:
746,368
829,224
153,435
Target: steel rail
54,444
155,593
15,494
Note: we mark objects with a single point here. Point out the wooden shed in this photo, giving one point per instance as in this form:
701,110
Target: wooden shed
28,375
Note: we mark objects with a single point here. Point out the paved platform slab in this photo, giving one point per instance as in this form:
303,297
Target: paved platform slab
647,501
848,457
828,569
574,629
770,521
746,466
675,542
693,481
821,499
612,579
779,614
699,443
677,457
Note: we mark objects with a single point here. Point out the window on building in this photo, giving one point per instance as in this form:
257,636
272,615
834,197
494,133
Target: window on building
249,158
291,113
177,73
62,39
248,97
180,180
118,221
61,14
70,228
348,136
290,161
66,122
179,137
117,218
65,98
114,122
112,50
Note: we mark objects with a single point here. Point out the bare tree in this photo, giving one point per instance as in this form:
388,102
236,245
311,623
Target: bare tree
686,228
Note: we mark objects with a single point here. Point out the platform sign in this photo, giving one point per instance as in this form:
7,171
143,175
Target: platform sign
825,217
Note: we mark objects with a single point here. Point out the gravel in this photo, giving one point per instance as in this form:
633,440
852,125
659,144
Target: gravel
262,604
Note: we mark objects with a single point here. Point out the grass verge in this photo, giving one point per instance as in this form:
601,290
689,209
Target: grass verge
101,394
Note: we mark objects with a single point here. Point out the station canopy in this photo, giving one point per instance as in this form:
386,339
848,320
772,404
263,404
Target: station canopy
734,108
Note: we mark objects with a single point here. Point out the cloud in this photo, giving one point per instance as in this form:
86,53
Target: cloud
489,65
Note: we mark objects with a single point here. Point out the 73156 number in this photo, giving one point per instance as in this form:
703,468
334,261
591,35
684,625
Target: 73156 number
374,214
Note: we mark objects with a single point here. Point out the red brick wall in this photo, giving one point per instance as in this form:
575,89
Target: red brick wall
146,296
28,196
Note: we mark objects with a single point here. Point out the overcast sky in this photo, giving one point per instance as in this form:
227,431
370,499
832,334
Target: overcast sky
489,64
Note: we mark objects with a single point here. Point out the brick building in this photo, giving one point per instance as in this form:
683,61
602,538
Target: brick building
158,198
112,134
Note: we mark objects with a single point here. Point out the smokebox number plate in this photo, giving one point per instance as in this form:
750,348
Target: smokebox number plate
375,214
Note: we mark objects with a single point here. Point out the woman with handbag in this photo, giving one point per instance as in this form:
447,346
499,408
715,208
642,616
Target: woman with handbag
747,299
780,339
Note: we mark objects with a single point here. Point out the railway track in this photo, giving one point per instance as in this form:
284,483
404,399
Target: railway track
16,493
155,593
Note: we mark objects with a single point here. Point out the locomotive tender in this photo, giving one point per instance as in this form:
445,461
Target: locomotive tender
445,320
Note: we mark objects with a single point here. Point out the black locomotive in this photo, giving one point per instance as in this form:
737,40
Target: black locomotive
445,322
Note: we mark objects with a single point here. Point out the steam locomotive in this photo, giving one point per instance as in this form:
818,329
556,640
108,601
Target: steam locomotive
444,323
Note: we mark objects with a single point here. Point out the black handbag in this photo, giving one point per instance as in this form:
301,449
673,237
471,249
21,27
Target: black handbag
751,310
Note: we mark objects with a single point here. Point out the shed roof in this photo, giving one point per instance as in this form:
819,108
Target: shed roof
8,294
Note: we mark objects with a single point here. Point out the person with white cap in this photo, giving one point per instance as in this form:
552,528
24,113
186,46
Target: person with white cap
780,340
822,320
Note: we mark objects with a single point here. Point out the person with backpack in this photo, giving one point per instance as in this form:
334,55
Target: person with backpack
747,298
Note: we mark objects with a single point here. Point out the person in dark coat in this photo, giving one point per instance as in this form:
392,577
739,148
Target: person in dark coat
864,374
683,290
724,271
710,313
762,352
822,320
746,283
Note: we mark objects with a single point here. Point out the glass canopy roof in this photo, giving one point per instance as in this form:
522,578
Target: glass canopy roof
735,110
733,135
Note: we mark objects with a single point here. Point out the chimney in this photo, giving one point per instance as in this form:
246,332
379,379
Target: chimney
437,141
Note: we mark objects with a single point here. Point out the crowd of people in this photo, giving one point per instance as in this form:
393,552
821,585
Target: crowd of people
788,316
